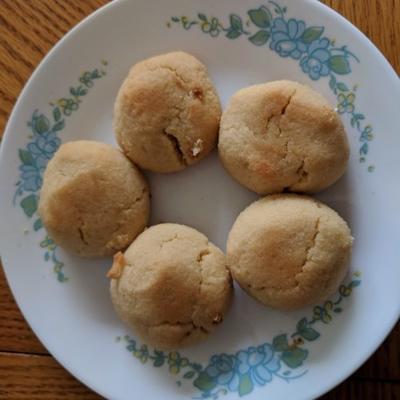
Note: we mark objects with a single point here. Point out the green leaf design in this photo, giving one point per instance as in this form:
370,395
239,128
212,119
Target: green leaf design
233,34
45,242
294,358
309,334
25,156
189,375
302,324
56,114
236,22
305,331
59,126
175,19
197,367
355,120
332,83
364,149
338,309
287,373
204,382
339,64
245,385
158,362
354,284
280,342
342,87
73,91
259,38
78,91
38,224
42,124
202,17
312,33
95,74
261,17
29,205
82,91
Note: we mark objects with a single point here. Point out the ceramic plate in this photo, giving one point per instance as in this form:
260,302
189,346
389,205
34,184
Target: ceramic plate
257,352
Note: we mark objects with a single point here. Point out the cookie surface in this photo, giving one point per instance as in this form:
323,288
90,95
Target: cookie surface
289,251
282,136
93,201
167,112
174,287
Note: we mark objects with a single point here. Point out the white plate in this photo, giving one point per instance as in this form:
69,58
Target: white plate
257,352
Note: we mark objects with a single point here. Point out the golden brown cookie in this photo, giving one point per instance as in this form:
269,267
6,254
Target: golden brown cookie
289,251
172,286
93,201
282,136
167,112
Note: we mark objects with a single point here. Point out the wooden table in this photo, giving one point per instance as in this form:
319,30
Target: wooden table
28,30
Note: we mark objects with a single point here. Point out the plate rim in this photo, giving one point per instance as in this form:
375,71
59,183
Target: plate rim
344,372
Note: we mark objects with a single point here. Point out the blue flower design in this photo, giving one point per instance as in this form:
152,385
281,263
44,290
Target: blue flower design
260,362
31,178
41,150
315,63
45,145
286,38
257,364
222,369
318,56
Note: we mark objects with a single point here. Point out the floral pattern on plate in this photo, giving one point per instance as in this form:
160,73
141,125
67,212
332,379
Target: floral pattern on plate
318,56
43,143
243,371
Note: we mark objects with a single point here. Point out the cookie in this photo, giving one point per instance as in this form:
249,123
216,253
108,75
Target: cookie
93,201
171,286
289,251
167,112
282,136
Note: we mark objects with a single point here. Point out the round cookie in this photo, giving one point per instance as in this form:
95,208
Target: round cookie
93,201
167,112
171,286
289,251
282,136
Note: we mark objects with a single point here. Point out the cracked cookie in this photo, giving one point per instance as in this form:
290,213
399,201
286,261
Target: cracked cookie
282,136
93,201
171,286
289,251
167,112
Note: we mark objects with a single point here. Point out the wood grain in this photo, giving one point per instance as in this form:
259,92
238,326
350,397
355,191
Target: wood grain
377,19
28,30
26,376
